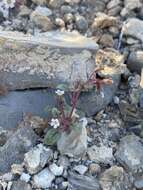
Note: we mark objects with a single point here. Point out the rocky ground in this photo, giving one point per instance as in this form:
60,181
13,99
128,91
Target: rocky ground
114,154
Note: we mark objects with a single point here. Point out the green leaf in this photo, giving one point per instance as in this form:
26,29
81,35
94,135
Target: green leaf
47,109
51,137
62,87
55,112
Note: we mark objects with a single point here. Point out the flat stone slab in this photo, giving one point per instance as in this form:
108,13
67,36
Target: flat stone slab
15,104
45,60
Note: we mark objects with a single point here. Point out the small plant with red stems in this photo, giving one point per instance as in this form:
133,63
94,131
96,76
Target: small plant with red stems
65,116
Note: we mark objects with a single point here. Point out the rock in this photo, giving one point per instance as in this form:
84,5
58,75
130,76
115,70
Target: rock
60,22
113,65
37,158
135,61
134,27
17,169
107,40
40,2
43,179
66,9
56,170
64,161
15,104
128,155
25,177
7,177
97,5
101,154
67,141
113,3
139,184
114,178
41,21
46,50
41,76
81,169
15,147
20,185
56,3
4,135
43,11
94,169
103,21
24,11
81,23
80,182
131,4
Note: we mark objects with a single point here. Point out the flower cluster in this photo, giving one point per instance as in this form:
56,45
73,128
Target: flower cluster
55,123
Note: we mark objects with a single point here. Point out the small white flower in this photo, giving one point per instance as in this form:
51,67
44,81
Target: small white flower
9,3
84,121
55,123
60,92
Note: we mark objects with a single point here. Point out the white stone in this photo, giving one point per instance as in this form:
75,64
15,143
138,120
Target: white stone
81,169
43,179
17,169
37,158
25,177
101,154
56,170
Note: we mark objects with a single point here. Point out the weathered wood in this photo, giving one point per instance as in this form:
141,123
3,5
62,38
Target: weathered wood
44,61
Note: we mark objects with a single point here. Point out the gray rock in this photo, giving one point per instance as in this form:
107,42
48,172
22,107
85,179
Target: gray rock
134,27
25,177
40,2
44,11
81,169
135,61
100,154
21,185
43,179
66,143
131,4
68,54
56,170
15,147
37,158
81,23
114,178
139,183
80,182
114,65
130,153
15,104
40,20
55,50
55,3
